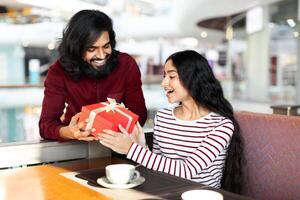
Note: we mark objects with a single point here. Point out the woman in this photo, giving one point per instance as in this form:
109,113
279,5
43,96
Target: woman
198,139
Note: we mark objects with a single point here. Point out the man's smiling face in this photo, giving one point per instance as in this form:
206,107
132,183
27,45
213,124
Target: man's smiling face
98,54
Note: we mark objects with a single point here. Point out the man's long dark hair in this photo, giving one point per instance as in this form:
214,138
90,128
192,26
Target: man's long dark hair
197,77
82,31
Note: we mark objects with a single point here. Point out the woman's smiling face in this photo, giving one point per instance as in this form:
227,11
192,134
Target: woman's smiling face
172,85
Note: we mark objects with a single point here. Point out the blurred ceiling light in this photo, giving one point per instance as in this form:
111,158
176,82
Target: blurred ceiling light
212,54
66,5
254,20
25,43
296,34
189,41
291,22
39,11
51,46
98,2
43,4
229,33
203,34
147,1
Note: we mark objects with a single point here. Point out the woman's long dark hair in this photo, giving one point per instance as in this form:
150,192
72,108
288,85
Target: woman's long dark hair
197,77
82,31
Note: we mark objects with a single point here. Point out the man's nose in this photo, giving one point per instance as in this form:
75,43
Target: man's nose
101,54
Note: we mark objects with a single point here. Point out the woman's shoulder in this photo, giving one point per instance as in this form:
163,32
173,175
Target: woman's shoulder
167,112
217,118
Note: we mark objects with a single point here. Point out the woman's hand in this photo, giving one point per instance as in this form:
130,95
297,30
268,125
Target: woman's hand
138,135
75,130
119,142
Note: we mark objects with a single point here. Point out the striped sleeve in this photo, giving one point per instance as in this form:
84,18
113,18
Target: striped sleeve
155,148
202,157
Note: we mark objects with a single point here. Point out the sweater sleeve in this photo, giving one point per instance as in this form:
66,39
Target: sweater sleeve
155,148
134,98
203,156
53,104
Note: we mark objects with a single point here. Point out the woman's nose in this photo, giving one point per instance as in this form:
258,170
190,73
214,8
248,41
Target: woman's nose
164,82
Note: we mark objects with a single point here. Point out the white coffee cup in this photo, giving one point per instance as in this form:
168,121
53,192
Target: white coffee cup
201,194
121,173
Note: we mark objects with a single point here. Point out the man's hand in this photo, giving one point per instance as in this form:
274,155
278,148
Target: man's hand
75,130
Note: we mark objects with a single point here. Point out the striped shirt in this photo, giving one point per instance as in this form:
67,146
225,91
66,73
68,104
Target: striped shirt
194,150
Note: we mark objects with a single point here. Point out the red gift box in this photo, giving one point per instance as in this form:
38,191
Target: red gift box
107,115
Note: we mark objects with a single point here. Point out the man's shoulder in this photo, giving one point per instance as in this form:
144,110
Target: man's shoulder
56,66
56,69
127,63
125,57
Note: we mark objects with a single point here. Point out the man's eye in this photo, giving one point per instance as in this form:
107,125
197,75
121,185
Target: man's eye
107,46
171,77
90,49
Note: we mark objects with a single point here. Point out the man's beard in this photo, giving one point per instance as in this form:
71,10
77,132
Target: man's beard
89,71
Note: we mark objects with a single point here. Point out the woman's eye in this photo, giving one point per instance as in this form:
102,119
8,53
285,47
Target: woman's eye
171,77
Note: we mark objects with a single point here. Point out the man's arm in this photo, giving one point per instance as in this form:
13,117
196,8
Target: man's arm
53,105
134,98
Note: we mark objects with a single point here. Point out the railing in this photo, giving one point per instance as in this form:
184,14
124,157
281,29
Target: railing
22,154
16,86
289,110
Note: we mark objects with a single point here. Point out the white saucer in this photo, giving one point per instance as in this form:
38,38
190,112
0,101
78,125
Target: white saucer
201,194
105,183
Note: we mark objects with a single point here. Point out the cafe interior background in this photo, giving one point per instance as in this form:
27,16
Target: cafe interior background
252,47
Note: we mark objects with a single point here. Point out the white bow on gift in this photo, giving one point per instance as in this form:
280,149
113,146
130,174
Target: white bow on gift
112,105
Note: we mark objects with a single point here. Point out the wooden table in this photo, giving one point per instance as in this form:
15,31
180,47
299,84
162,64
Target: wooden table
46,182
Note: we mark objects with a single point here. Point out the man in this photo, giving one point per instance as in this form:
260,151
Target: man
88,71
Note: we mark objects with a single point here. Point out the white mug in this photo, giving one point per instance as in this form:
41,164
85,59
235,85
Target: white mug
201,194
121,173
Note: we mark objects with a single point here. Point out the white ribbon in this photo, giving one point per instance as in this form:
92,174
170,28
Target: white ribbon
113,106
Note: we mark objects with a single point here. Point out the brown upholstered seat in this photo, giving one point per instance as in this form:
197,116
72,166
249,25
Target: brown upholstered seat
272,153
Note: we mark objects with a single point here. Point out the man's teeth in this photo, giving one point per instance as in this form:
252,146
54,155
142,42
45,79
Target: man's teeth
99,62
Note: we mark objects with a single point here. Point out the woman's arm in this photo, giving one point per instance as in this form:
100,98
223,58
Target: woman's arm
203,156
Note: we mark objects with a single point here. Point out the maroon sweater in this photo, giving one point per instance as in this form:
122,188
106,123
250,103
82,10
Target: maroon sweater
123,84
